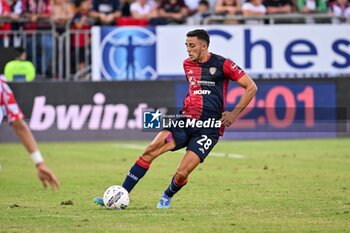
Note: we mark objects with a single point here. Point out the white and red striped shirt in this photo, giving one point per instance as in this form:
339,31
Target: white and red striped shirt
9,108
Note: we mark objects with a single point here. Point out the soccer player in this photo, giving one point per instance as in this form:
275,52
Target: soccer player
10,110
208,75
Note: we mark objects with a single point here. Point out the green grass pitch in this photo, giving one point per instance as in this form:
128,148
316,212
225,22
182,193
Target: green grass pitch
247,186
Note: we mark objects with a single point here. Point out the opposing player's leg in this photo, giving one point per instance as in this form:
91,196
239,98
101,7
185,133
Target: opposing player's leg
189,162
162,143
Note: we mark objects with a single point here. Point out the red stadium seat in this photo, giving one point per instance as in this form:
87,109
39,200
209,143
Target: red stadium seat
128,21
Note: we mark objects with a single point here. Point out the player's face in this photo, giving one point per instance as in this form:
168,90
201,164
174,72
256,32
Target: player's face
196,49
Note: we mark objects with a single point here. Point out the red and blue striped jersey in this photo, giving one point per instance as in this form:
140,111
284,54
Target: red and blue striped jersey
208,83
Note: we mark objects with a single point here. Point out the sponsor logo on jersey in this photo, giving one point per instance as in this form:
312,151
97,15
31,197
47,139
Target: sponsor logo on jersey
193,82
206,83
202,92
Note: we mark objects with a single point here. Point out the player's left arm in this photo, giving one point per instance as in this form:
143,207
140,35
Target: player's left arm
15,118
228,118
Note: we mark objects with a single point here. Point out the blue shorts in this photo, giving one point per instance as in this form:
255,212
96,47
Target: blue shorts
199,140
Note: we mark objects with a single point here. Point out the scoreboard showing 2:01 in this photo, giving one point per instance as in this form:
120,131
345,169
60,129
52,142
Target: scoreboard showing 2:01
287,107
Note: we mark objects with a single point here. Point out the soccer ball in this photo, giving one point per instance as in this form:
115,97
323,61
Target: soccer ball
116,197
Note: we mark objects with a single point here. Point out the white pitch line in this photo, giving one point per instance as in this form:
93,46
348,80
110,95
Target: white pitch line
182,151
222,154
50,215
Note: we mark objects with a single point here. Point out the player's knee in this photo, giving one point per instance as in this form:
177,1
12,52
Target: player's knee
181,175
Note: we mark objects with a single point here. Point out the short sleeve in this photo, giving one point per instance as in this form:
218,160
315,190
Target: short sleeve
232,71
8,104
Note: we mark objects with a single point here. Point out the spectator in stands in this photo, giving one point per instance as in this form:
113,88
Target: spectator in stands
253,8
80,39
11,11
124,7
106,12
39,43
203,11
20,69
15,9
140,11
62,13
311,6
212,4
4,27
228,8
192,6
15,14
4,8
340,8
143,9
278,6
170,12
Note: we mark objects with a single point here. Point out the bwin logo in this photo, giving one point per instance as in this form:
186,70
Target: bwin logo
201,92
94,116
128,53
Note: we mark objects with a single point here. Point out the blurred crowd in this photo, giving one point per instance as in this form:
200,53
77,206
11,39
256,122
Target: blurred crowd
85,13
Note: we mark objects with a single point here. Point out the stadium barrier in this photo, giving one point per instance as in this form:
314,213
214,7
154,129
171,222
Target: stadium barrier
85,111
57,52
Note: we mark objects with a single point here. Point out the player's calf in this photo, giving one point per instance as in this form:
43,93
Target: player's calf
136,173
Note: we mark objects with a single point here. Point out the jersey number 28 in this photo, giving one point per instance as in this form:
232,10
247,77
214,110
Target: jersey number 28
205,142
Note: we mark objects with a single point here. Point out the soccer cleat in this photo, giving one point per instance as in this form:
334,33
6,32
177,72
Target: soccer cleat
164,202
99,201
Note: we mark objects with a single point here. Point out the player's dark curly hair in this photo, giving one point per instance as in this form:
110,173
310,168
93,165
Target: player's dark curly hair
200,34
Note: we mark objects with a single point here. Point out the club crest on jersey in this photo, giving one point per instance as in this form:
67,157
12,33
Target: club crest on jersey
212,70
